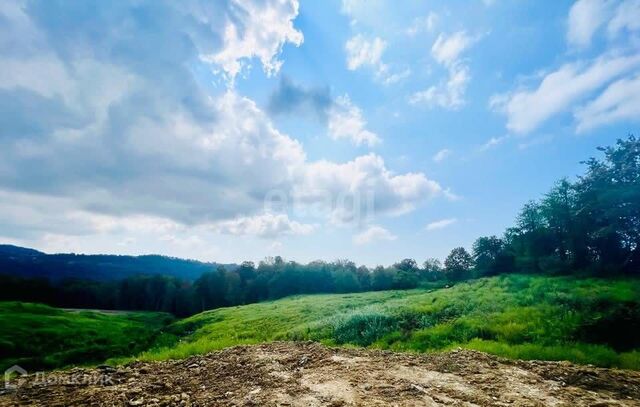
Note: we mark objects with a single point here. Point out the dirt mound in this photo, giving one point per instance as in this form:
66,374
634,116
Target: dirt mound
308,374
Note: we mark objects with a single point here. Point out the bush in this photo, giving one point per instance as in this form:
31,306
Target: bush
362,328
446,334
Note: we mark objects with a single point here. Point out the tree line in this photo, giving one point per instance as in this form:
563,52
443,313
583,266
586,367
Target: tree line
590,226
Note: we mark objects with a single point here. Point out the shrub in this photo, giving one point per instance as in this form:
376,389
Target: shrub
362,328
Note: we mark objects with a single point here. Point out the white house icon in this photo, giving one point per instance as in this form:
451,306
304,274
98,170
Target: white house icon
9,373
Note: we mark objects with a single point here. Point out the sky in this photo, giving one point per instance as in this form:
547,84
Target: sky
235,130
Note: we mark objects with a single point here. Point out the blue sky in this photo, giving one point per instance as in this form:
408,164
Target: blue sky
234,130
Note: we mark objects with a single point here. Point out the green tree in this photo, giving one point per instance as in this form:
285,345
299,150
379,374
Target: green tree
487,252
432,270
382,278
458,264
406,275
609,198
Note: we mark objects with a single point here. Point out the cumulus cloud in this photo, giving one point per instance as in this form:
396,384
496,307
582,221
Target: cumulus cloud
448,95
364,187
441,224
364,52
147,138
266,225
372,234
346,121
367,52
527,109
106,122
251,29
447,51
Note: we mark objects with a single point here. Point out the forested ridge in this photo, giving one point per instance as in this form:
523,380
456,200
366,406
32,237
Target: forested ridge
587,226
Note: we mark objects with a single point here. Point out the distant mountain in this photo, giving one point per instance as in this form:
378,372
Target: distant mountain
25,262
17,251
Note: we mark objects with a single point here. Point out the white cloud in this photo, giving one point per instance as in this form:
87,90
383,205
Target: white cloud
266,27
527,109
267,225
390,79
370,14
587,88
620,101
372,234
345,120
450,94
585,18
441,155
423,24
440,224
626,18
134,142
364,52
447,49
492,142
364,187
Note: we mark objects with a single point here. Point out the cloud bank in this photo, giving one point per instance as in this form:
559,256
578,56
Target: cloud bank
109,122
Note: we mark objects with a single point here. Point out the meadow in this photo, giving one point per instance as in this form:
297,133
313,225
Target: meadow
583,320
37,336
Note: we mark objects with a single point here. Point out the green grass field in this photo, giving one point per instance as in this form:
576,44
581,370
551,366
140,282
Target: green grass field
40,337
585,320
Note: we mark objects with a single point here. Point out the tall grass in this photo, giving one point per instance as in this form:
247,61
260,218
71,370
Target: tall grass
36,336
517,316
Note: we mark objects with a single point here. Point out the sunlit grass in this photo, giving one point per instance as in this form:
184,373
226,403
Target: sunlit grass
516,316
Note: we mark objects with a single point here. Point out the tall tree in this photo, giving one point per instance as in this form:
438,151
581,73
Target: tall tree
458,264
432,269
487,252
609,196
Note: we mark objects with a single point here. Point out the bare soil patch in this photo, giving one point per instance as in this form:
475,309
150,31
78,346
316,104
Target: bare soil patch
309,374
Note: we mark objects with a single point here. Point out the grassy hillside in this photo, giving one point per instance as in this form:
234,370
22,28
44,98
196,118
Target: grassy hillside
40,337
586,320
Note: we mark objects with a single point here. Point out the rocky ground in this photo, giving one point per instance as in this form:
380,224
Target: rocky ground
308,374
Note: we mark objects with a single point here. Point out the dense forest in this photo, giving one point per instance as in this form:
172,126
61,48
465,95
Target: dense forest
590,226
23,262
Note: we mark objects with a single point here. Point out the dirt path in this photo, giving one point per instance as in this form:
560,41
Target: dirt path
308,374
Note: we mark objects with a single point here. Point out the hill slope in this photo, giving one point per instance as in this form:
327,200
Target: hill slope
526,317
23,262
36,336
